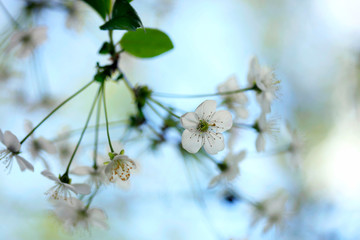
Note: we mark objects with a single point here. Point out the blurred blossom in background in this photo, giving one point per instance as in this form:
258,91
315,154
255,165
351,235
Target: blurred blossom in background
313,47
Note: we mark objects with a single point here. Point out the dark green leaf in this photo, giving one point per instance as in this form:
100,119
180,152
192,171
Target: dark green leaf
105,48
124,17
101,6
146,44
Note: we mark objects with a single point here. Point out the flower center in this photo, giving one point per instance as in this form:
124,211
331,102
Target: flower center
203,126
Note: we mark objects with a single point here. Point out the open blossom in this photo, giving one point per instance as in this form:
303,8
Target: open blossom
26,41
267,86
204,127
37,146
229,168
12,151
235,101
119,166
63,190
264,127
272,210
73,214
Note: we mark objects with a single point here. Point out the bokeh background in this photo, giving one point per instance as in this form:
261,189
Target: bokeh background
313,47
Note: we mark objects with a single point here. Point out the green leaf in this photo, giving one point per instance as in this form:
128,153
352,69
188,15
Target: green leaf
101,6
124,17
146,43
106,48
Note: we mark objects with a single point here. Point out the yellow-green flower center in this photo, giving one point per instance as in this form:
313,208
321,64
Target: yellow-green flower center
203,126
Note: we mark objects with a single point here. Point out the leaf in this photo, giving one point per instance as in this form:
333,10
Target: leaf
106,48
146,43
101,6
124,17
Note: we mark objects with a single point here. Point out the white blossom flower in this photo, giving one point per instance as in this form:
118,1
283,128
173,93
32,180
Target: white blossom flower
26,41
265,82
37,146
272,210
96,175
61,190
74,17
264,127
204,127
73,214
12,150
235,101
229,168
119,166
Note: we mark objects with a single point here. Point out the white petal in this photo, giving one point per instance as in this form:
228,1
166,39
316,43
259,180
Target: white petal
108,170
242,112
82,170
11,142
28,126
23,164
206,109
214,143
98,218
50,175
39,35
189,121
214,181
260,143
254,70
191,141
82,188
2,137
222,120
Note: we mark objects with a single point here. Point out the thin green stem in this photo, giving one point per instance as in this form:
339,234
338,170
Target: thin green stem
154,110
97,133
168,95
163,107
91,198
127,83
83,131
106,118
53,111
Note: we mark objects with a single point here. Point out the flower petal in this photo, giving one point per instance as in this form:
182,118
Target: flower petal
46,145
50,175
206,109
191,141
222,120
254,71
214,143
11,142
23,164
260,143
214,181
82,188
190,121
2,137
82,170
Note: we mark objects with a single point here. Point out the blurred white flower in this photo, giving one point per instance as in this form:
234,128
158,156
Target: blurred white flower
74,18
74,214
119,166
26,41
265,82
272,210
96,174
12,150
37,146
61,190
204,127
229,168
264,127
235,101
296,145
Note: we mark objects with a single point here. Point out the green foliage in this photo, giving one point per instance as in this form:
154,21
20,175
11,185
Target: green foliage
101,6
146,43
124,17
106,48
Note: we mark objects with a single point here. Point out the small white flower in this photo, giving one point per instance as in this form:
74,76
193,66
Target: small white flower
61,190
74,214
273,210
26,41
235,101
264,128
96,175
267,86
12,150
119,166
37,146
229,168
204,127
74,18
